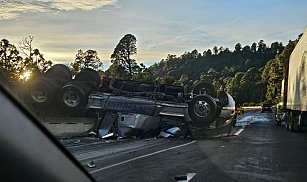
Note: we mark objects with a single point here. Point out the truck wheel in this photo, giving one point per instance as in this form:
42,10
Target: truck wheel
59,72
104,86
41,92
234,122
277,120
278,123
286,119
202,110
204,88
300,123
303,121
90,76
73,96
291,122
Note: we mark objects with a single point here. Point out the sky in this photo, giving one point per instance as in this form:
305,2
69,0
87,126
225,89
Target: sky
62,27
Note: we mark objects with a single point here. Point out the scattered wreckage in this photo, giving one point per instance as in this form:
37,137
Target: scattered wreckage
131,108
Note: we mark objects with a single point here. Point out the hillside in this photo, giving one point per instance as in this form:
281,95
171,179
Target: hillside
238,72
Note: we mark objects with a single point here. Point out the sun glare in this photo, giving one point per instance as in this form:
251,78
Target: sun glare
25,75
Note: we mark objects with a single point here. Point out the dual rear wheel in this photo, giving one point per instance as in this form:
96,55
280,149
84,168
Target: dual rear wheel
295,121
203,108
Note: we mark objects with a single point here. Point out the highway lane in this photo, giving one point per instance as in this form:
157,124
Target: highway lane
260,152
123,150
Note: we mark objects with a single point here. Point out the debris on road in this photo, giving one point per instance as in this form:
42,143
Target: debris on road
77,141
181,177
185,178
107,136
92,133
171,132
91,164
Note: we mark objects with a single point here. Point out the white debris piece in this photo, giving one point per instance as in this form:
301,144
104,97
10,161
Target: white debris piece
91,164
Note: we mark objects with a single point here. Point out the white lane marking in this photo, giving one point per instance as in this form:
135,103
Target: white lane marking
140,157
189,177
238,132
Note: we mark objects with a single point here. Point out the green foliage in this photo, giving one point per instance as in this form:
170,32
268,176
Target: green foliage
34,60
165,80
116,71
15,65
123,52
240,72
273,72
10,60
143,74
215,50
238,47
87,59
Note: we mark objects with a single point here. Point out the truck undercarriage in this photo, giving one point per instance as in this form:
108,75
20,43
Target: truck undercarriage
130,108
148,112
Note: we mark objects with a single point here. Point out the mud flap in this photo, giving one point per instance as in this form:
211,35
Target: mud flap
203,133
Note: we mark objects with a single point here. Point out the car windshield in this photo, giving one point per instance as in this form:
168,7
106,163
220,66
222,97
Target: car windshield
163,90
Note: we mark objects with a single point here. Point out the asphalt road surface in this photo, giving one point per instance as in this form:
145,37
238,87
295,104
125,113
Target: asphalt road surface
257,150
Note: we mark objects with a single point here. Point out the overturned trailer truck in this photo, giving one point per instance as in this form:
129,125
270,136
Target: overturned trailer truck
125,107
133,108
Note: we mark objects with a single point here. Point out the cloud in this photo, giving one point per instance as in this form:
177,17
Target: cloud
81,4
14,8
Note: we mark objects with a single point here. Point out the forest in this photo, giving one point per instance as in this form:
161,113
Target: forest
252,74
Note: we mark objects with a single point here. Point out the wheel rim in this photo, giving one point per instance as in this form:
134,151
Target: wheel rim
71,99
39,96
202,91
201,108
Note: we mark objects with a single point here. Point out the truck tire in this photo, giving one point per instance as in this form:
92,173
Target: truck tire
301,122
59,72
104,86
299,126
291,123
90,76
202,110
287,117
73,96
223,98
278,122
41,92
234,122
204,87
146,87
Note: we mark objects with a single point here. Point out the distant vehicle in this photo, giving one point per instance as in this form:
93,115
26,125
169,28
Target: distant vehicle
293,106
266,107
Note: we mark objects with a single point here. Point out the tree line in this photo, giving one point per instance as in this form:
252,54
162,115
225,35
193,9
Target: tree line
251,74
16,62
